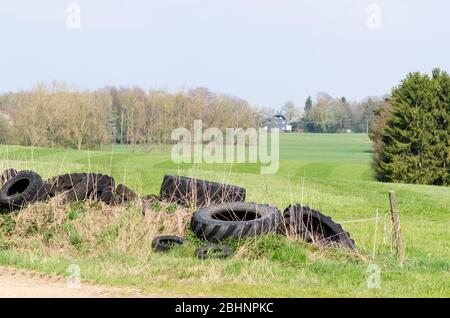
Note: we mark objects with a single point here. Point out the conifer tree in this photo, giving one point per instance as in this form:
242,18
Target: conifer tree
416,139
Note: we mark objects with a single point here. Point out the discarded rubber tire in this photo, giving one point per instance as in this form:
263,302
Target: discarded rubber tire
166,243
79,192
188,191
7,175
59,184
235,220
24,188
125,194
107,196
213,251
102,182
82,186
102,187
313,226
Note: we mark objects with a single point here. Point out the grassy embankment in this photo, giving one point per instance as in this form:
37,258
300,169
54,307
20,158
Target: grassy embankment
328,172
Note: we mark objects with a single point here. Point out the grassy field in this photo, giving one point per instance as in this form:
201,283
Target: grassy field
331,173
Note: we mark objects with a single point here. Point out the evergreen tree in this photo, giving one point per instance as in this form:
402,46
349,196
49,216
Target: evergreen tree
307,124
415,142
308,105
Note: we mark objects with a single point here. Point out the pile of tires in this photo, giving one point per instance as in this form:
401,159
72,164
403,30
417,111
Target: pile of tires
89,186
222,212
19,189
237,220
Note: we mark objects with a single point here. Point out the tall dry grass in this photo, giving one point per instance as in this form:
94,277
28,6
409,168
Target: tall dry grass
92,227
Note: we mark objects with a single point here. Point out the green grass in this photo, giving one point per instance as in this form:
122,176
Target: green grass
331,173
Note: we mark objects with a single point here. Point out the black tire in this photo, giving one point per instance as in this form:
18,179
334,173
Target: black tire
107,196
82,186
59,184
102,187
234,220
102,182
24,188
188,191
7,175
313,226
166,243
79,192
125,194
213,251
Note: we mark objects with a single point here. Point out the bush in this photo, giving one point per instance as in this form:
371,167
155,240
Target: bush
412,140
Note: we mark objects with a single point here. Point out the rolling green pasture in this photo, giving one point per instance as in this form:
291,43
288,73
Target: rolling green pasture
328,172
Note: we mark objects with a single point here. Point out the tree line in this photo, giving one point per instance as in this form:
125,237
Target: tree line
58,115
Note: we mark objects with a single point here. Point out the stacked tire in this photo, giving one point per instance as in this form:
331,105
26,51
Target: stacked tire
19,189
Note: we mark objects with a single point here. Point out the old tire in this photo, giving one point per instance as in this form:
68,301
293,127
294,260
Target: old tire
125,194
82,186
102,187
166,243
188,191
79,192
107,196
313,226
234,220
24,188
59,184
213,251
7,175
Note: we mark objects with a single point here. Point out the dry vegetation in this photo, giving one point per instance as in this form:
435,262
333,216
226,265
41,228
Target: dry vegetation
91,227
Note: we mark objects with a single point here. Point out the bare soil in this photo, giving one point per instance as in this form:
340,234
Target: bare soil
17,283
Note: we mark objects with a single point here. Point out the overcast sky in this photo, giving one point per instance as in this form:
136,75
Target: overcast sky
265,51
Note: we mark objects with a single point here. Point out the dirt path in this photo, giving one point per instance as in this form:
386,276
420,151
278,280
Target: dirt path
22,283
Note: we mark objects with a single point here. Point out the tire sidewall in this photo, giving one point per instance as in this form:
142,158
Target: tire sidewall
206,214
208,228
34,191
158,246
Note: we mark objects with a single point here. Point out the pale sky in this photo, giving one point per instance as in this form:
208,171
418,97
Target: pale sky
265,51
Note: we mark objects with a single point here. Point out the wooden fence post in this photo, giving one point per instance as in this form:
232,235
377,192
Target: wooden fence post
396,226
